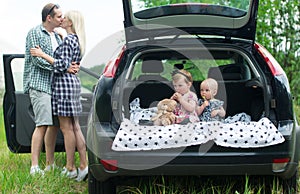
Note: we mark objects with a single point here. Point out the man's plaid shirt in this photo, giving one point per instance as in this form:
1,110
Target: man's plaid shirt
37,71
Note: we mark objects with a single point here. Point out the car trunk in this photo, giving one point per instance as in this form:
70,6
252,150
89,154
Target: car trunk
239,85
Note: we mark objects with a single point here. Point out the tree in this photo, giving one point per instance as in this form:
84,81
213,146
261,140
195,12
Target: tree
279,24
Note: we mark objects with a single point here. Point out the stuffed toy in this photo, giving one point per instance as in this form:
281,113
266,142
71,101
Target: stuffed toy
165,113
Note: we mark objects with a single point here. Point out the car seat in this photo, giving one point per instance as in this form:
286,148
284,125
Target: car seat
151,70
230,72
231,79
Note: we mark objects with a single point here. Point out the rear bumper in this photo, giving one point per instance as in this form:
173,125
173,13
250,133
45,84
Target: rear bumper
190,163
101,174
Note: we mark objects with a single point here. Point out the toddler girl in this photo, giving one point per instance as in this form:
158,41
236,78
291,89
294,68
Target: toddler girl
210,109
186,100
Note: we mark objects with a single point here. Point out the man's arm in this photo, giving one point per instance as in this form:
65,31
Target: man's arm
34,39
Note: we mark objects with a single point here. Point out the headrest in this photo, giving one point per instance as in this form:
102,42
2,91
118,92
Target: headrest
229,72
152,66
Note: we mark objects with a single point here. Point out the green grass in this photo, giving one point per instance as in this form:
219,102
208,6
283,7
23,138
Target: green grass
15,178
204,185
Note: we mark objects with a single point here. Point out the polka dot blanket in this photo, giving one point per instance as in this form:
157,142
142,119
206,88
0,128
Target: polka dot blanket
135,137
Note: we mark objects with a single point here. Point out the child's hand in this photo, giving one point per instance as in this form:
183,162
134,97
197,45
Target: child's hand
214,112
205,103
218,112
176,96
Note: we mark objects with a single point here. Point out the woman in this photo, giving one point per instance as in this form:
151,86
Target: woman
66,91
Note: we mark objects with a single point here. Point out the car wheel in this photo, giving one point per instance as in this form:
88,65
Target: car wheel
100,187
290,185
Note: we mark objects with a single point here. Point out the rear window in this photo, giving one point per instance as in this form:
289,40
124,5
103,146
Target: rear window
152,9
161,64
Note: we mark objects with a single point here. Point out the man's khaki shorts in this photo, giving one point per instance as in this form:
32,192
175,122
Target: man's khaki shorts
41,104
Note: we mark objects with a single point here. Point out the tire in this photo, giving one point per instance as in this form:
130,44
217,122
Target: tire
100,187
290,185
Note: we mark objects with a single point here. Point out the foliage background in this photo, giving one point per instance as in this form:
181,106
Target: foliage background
279,31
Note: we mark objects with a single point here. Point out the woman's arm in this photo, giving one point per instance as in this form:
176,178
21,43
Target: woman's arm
38,52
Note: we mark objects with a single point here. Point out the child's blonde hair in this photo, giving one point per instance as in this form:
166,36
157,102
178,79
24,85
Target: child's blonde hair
177,74
212,85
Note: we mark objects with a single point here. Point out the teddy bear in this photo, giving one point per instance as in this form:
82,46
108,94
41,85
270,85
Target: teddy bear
164,115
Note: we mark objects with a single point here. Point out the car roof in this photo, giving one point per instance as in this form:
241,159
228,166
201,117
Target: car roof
236,19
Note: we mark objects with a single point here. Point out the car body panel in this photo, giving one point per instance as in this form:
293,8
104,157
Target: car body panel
218,160
234,20
18,113
190,160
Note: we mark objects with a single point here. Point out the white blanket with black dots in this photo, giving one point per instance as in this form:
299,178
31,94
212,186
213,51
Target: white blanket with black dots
135,137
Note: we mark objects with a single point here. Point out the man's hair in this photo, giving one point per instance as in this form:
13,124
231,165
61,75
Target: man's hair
49,9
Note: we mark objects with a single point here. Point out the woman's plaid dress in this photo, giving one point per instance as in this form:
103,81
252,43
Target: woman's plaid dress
65,86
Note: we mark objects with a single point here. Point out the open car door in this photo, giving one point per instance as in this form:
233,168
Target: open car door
17,109
231,19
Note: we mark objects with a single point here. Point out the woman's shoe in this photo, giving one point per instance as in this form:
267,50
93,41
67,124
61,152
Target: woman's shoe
69,174
51,167
36,170
82,174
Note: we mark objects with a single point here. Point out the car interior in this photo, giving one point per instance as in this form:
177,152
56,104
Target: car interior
150,80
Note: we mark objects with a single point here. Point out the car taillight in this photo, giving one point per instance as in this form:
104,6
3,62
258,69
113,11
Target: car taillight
112,66
110,165
274,66
279,164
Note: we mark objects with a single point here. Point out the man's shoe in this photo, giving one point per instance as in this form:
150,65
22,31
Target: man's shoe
82,174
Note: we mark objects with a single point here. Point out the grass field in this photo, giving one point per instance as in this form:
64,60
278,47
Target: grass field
15,178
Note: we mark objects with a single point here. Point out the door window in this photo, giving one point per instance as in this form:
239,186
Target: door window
17,68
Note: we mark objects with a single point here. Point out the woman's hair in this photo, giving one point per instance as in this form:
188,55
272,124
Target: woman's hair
177,74
78,27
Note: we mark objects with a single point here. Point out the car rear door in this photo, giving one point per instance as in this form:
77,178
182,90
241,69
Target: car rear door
17,109
231,19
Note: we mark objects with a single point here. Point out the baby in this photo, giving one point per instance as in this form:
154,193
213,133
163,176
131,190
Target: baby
210,109
186,99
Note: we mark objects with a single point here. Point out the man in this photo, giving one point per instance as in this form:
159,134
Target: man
37,82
